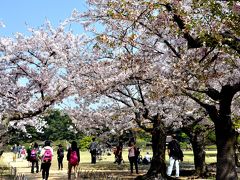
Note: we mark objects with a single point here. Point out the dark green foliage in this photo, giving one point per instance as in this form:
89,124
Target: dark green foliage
85,142
211,138
59,128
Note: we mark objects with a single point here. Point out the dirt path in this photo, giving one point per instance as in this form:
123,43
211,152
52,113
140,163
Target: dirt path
55,174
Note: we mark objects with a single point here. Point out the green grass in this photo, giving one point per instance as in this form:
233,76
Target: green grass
210,157
106,163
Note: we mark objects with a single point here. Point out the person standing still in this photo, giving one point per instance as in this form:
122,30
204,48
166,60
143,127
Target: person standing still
60,156
132,156
46,155
93,151
73,157
175,155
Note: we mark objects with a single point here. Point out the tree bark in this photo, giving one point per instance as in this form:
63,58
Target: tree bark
225,139
158,165
196,131
199,154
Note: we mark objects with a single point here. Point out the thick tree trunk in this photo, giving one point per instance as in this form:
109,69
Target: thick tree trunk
225,138
158,165
196,133
197,141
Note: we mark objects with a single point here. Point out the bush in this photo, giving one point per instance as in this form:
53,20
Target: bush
211,147
141,143
184,145
85,142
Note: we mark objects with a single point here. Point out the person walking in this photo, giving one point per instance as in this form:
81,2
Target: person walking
60,156
23,153
34,157
46,156
175,155
73,157
132,156
15,151
93,151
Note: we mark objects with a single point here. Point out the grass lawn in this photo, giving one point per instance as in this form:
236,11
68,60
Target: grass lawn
105,165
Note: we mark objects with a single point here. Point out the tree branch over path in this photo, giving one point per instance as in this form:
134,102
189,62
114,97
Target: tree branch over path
228,38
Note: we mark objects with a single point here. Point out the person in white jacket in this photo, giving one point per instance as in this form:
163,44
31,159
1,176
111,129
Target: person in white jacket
46,157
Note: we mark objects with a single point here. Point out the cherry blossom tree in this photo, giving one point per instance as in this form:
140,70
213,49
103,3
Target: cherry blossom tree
201,45
32,79
137,94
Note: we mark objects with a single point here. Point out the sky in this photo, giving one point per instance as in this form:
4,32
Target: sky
18,15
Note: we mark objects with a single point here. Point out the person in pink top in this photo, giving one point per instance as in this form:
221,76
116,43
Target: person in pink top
132,156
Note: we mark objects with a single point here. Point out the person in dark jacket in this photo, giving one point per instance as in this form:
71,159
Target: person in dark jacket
175,155
60,156
93,151
34,157
73,157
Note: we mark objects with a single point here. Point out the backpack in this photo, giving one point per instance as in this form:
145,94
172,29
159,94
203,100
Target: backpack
47,157
73,160
33,155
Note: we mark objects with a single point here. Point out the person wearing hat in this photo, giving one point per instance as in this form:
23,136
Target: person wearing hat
60,156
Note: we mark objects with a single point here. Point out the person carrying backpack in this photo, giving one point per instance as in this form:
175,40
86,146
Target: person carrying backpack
60,153
73,157
175,155
34,157
46,156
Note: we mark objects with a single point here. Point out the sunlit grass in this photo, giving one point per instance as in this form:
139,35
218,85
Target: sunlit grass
106,162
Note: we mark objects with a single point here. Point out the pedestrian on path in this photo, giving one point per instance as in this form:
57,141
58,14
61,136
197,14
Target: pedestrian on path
15,151
175,155
93,151
73,157
60,156
29,154
133,156
46,156
34,157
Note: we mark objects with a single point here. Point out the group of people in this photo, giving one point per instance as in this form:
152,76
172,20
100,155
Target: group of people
174,151
19,151
45,155
36,153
